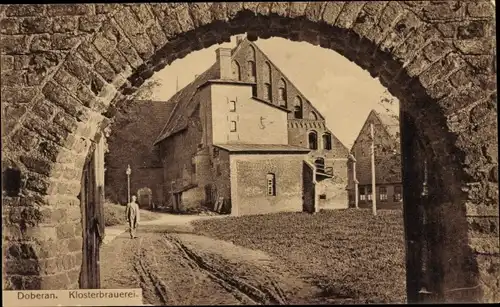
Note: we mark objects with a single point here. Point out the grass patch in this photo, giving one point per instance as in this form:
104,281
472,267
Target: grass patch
114,214
347,253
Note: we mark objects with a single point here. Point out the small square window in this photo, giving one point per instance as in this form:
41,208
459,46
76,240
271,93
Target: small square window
232,106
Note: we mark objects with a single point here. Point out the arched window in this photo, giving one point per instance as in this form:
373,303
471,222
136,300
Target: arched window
271,184
251,53
236,71
313,116
327,141
282,93
313,140
297,107
268,92
252,71
267,72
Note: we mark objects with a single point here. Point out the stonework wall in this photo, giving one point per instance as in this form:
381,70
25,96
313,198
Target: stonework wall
63,65
251,188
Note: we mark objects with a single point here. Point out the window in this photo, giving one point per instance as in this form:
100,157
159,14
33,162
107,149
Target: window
313,140
382,191
267,72
327,141
217,168
233,126
369,193
268,92
251,53
236,71
232,106
397,193
271,185
216,152
282,93
313,116
252,72
297,107
322,196
193,167
362,196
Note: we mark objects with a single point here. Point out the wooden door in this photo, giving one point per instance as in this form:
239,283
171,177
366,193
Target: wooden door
91,202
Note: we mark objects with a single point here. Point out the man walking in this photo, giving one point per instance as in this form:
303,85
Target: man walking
133,216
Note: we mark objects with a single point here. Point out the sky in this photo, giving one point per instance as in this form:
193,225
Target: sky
342,91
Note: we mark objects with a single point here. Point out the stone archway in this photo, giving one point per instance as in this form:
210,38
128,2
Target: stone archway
65,66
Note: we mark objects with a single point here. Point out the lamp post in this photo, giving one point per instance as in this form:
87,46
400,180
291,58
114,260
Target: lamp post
128,172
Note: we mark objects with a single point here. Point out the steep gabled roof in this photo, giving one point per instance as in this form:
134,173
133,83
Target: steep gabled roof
183,100
184,104
285,77
389,122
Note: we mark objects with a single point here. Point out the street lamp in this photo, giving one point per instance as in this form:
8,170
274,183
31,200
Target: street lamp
128,172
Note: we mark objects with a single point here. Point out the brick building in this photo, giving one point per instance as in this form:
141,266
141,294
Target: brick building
238,138
387,163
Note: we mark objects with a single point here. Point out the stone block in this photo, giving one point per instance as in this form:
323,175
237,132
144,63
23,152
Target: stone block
475,46
41,42
445,10
66,121
14,44
75,245
9,26
60,97
278,8
7,62
69,9
65,41
480,9
142,13
52,215
35,25
73,276
64,24
296,8
156,35
25,10
349,14
437,50
91,23
37,165
25,267
37,183
24,138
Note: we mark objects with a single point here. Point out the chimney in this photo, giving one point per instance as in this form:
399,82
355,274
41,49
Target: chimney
224,60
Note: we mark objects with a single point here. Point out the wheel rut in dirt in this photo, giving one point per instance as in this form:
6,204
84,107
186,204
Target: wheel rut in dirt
242,290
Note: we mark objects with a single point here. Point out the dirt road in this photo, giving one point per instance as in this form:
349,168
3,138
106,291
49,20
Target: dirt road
176,267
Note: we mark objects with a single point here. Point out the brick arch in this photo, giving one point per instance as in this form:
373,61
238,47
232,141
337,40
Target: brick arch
64,68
